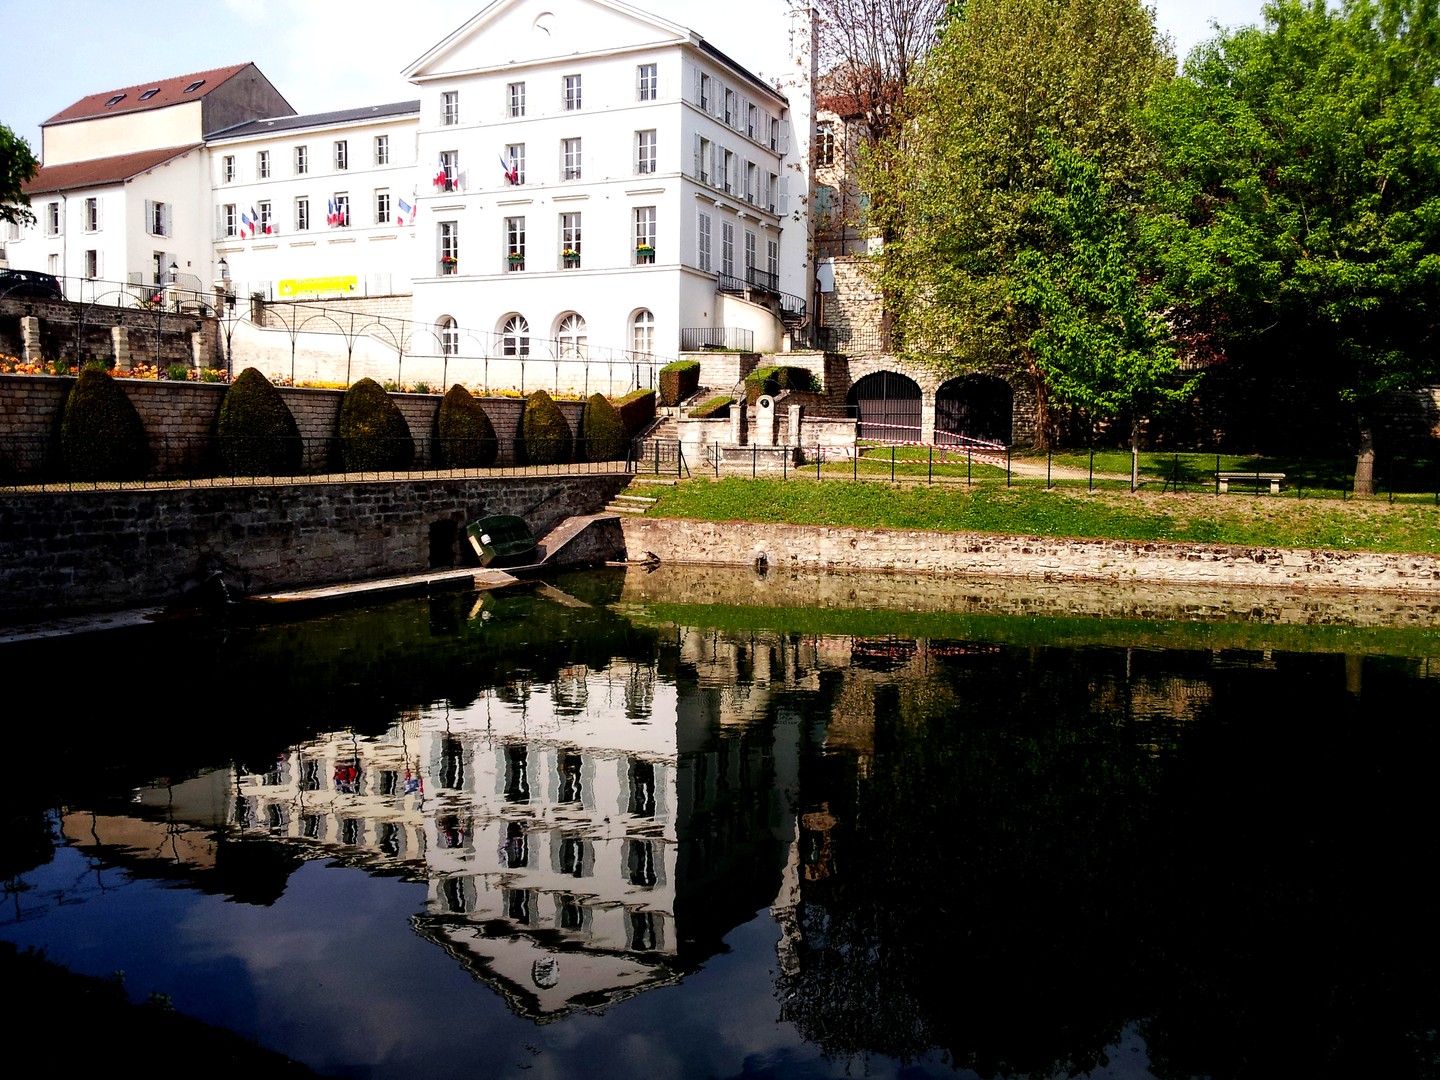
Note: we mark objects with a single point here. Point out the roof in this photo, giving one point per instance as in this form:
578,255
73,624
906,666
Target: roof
98,171
293,123
171,91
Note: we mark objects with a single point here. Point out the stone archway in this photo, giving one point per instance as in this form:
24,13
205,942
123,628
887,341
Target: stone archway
888,407
976,406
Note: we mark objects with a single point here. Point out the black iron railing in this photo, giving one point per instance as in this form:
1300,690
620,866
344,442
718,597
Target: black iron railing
731,338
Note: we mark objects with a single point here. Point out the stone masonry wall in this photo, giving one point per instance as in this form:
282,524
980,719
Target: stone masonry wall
64,553
1035,558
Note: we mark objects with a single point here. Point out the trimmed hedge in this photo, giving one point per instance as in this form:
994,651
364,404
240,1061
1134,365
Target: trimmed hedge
258,434
678,380
374,436
602,431
714,408
543,437
464,436
636,409
771,380
101,434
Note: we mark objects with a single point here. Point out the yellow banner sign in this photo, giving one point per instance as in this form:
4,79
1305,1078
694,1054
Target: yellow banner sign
308,286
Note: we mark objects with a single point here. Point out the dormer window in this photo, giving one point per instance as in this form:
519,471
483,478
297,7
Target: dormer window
115,100
194,86
148,94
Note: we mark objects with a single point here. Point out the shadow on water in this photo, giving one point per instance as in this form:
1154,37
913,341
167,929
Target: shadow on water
1009,831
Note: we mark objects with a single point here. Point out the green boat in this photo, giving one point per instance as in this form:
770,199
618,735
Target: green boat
501,540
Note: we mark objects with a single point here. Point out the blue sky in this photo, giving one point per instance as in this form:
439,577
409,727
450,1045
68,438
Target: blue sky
332,56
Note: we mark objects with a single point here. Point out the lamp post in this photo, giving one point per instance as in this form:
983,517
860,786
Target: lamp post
228,316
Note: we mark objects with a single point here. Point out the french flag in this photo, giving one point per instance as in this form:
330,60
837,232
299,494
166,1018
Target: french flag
405,213
332,215
247,225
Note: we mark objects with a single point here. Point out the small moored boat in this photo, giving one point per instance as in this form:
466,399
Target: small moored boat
501,540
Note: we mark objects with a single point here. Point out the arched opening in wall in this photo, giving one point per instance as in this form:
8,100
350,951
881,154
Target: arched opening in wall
445,547
887,407
976,406
572,336
514,336
642,334
448,332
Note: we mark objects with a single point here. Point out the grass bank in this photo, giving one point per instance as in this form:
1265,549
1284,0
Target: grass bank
1030,511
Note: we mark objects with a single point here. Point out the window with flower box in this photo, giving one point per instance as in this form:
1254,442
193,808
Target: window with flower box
644,235
515,243
570,241
449,244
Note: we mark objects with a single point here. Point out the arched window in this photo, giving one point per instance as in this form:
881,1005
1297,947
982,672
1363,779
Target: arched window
572,336
515,336
642,334
448,332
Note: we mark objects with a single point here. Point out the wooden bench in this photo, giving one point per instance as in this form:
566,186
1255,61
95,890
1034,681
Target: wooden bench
1223,479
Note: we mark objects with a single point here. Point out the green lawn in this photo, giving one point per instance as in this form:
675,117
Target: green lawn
1030,509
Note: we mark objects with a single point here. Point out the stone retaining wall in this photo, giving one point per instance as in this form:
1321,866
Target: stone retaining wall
1040,558
105,550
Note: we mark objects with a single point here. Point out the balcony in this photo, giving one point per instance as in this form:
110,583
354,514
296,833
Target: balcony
727,338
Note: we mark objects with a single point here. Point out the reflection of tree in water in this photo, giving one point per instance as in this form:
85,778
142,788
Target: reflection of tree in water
1023,873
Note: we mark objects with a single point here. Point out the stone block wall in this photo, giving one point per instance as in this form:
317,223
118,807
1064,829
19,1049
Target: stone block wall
69,552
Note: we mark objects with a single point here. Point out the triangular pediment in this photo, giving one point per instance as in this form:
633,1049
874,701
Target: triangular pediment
534,31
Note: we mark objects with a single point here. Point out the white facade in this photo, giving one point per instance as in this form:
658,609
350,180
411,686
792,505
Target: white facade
326,195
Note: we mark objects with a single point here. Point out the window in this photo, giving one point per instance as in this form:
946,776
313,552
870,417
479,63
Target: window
115,100
731,114
703,156
194,86
448,178
157,267
382,208
644,234
752,182
752,121
302,160
515,94
448,331
515,336
749,255
266,218
302,214
515,243
450,108
342,155
825,143
157,218
774,134
707,92
227,169
647,83
645,152
382,149
570,159
448,236
340,210
92,214
570,241
772,260
148,94
572,336
772,182
642,334
92,263
702,242
727,248
52,219
726,171
515,155
572,92
229,220
262,165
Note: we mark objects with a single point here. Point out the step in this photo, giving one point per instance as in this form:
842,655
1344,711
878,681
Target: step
635,499
623,508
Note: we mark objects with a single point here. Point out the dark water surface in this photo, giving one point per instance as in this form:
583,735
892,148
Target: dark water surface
588,831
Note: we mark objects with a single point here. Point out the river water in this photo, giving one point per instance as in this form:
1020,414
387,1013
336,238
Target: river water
706,824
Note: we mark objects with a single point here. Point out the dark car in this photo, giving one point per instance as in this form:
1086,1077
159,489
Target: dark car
29,283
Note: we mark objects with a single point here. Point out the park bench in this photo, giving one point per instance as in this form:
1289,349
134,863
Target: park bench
1223,479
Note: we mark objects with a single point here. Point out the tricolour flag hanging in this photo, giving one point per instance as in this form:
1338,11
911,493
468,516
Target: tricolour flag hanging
247,226
512,169
331,214
404,213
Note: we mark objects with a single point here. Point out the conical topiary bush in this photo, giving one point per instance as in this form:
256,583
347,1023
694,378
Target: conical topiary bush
257,431
544,436
374,436
602,432
464,436
101,434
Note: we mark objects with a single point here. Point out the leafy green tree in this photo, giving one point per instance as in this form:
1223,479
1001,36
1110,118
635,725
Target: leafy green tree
1100,340
1008,81
1300,192
17,166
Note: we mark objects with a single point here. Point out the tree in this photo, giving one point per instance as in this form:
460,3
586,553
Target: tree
1100,341
1300,193
1009,82
17,167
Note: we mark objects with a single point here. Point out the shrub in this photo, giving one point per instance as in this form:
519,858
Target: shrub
374,436
602,430
464,435
678,380
714,408
178,372
771,380
258,436
101,435
544,435
636,409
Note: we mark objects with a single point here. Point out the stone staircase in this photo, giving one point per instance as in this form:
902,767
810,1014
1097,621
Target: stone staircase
631,504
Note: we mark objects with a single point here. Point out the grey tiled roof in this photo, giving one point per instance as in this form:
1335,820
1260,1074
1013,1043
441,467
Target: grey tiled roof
325,119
